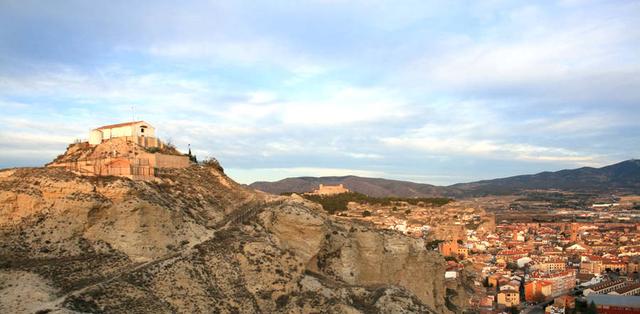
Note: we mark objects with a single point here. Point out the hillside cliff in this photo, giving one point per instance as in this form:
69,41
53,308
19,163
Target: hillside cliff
194,241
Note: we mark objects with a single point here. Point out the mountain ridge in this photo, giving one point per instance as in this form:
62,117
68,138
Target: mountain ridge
623,176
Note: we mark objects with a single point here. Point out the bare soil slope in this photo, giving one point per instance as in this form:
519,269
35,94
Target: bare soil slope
194,241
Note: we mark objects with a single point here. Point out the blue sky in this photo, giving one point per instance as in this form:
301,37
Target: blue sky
429,91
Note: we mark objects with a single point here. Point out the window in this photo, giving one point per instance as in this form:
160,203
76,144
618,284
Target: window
141,130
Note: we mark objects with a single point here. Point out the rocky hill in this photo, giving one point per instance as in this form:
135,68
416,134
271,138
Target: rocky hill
194,241
622,177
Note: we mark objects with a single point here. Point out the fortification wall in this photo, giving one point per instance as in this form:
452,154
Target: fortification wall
169,161
140,169
122,156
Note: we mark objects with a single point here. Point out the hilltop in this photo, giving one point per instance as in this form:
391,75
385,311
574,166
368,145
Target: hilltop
623,177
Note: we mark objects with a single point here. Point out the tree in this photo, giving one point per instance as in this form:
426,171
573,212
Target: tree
193,158
213,163
539,297
451,258
433,245
592,309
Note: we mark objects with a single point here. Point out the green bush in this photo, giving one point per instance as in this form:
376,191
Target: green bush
338,202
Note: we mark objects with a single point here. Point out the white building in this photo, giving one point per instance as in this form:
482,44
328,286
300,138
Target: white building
137,130
450,274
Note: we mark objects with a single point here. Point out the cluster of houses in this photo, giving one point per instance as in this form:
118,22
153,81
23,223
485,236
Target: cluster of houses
556,264
561,265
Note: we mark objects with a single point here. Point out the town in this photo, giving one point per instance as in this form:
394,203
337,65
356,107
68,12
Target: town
527,260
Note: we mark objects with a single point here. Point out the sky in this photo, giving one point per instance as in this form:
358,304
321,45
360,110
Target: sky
437,92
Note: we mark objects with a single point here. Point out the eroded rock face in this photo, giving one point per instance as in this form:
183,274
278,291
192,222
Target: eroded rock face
188,243
364,257
297,228
51,209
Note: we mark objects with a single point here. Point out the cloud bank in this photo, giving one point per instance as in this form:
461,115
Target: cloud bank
425,91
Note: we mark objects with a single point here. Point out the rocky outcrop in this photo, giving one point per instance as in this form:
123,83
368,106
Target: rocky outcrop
356,255
365,257
298,226
194,241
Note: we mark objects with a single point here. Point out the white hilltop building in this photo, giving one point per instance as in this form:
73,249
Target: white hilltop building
140,132
129,149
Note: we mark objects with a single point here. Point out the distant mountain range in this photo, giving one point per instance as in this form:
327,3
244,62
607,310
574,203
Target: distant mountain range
620,177
369,186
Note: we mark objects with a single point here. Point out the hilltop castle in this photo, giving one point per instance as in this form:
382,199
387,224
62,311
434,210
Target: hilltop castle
128,149
329,190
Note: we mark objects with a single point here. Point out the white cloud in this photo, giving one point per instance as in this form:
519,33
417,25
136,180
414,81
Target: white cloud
478,129
345,105
490,149
343,82
578,56
13,105
364,155
260,97
33,140
254,52
341,105
579,124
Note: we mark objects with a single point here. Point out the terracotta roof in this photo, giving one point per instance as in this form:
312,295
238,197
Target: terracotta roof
606,284
111,126
616,300
628,287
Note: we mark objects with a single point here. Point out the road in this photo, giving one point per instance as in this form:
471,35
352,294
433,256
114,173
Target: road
535,309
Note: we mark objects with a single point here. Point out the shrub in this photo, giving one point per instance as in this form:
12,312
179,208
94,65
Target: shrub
212,162
282,301
338,202
433,245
